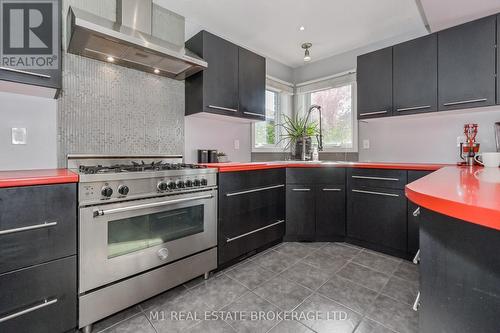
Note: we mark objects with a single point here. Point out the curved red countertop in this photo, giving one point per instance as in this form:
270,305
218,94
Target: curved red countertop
236,166
36,177
471,194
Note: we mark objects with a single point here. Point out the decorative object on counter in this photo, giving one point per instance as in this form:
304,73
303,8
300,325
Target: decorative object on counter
222,157
202,156
212,156
469,148
488,160
297,134
497,135
315,153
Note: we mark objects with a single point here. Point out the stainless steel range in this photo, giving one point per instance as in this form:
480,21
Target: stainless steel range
147,224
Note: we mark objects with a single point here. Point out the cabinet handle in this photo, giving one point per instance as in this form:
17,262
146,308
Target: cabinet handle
377,193
416,304
301,189
416,260
255,190
254,114
222,108
414,108
372,113
28,310
31,227
416,212
228,240
332,189
376,178
466,101
43,76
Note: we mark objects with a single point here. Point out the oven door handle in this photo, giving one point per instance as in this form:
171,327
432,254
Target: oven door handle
101,212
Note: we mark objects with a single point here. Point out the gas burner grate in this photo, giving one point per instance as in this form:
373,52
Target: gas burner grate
137,167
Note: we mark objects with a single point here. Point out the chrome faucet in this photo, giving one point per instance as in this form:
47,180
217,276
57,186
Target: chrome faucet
318,137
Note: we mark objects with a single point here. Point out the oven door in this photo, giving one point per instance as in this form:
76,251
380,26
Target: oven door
123,239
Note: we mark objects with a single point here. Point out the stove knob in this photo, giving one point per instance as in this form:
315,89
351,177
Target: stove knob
180,184
106,191
172,186
204,182
189,183
123,189
162,186
196,182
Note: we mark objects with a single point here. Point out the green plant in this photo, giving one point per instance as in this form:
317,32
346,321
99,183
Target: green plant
295,128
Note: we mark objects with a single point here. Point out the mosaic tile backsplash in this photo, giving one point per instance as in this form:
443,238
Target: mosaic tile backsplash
108,109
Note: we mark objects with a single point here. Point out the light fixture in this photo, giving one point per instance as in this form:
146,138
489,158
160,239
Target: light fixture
302,28
110,59
157,71
306,47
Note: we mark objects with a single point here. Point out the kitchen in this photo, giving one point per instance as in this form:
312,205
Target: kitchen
249,166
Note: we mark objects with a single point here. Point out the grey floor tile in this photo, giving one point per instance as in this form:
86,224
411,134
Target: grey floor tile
211,326
339,249
137,324
334,317
348,293
283,293
219,291
178,314
163,298
247,305
364,276
250,274
198,280
378,262
369,326
290,326
116,318
401,290
325,262
295,249
396,315
314,245
275,261
306,275
408,271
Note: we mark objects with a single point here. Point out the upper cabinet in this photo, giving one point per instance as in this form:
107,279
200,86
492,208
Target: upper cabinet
41,74
415,76
466,62
234,83
374,79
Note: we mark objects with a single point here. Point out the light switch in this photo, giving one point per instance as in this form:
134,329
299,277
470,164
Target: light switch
19,136
236,144
366,144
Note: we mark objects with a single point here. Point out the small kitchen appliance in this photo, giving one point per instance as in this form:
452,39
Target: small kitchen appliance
470,148
146,224
497,135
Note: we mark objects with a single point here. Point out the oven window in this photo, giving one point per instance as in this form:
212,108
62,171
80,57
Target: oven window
140,232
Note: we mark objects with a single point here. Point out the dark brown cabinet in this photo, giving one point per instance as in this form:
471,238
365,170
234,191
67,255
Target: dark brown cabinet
374,80
300,212
415,76
251,212
234,83
252,84
466,62
330,212
414,215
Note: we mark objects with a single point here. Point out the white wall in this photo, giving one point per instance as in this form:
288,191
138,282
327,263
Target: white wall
205,133
38,116
427,138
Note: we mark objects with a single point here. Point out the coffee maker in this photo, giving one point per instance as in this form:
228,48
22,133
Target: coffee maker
469,148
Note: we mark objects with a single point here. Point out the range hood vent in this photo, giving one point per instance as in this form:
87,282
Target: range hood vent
128,41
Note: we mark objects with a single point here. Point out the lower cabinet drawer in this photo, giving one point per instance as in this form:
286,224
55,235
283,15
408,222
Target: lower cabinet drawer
39,299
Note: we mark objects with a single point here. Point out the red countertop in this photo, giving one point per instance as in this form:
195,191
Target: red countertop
467,193
36,177
236,166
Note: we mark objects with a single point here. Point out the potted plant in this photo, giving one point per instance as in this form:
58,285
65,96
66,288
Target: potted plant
222,157
295,129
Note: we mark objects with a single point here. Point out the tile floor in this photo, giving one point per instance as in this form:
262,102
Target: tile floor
329,287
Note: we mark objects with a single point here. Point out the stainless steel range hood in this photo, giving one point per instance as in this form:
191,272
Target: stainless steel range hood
129,42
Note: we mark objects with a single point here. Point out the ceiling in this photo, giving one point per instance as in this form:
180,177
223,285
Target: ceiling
271,27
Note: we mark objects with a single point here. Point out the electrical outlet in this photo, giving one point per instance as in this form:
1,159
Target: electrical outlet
19,136
366,144
236,144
